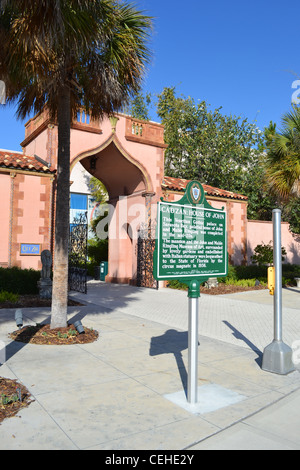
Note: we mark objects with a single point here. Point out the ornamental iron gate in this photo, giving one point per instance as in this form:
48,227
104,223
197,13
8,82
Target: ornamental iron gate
78,254
146,246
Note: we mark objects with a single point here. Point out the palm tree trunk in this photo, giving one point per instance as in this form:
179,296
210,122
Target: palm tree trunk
60,267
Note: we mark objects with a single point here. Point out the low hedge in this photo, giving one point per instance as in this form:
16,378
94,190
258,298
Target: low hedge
19,281
247,275
289,272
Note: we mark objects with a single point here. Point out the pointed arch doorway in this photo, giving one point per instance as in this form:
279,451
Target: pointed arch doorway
127,155
129,207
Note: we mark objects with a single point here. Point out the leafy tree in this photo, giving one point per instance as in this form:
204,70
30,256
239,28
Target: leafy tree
269,133
219,150
263,254
66,54
138,106
291,214
178,113
282,167
98,190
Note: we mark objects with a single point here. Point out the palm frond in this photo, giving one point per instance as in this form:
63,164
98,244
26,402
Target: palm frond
99,48
283,156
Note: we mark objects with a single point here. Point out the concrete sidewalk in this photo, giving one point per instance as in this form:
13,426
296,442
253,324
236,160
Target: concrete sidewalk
121,392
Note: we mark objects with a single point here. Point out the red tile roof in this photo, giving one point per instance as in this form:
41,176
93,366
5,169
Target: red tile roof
18,161
179,184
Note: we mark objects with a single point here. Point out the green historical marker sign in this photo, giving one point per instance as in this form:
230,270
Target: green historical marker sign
191,239
190,246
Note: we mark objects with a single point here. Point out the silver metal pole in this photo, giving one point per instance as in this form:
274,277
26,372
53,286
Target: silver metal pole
278,275
193,351
277,356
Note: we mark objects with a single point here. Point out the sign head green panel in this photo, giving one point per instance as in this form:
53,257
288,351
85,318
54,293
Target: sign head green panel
191,238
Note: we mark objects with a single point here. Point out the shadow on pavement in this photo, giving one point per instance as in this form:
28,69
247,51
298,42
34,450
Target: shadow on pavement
238,335
174,342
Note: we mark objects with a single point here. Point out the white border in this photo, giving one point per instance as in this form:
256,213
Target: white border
189,276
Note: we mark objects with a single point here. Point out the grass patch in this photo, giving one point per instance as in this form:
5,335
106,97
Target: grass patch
243,282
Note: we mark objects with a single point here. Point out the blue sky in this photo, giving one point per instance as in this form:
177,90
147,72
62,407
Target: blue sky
241,55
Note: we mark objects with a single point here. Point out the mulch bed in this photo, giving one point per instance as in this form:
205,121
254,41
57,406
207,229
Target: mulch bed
42,334
13,397
223,289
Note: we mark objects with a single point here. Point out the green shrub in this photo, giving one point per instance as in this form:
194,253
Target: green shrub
177,285
97,251
240,282
19,281
244,282
251,272
8,296
232,274
288,281
263,254
290,271
7,400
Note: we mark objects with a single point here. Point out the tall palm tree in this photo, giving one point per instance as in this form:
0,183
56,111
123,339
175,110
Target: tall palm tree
65,54
283,156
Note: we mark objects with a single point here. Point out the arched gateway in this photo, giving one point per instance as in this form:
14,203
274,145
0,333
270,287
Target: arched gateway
127,155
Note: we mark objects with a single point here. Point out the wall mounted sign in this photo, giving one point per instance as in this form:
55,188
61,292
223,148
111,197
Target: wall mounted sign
30,249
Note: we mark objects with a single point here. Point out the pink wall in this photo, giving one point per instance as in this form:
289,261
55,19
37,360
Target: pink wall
5,185
29,218
25,217
38,147
261,231
128,214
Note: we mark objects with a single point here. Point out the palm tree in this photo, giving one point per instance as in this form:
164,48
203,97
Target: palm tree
283,156
66,54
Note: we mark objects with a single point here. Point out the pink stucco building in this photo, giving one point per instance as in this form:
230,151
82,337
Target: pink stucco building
127,155
26,209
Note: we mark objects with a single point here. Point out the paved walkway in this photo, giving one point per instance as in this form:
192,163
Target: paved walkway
121,392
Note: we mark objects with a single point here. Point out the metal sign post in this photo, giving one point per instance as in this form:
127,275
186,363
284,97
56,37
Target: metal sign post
194,294
191,247
277,356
